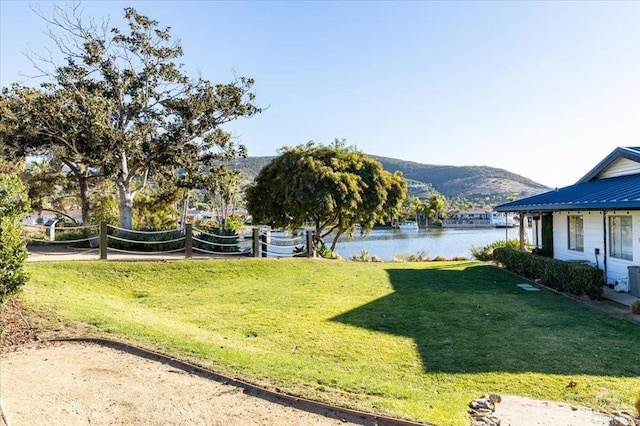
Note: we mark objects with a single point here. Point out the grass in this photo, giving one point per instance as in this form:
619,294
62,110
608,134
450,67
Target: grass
412,340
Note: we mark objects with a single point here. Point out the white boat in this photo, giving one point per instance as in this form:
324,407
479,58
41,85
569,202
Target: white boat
408,226
505,220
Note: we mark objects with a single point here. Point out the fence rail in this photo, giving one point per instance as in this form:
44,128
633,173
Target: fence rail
105,239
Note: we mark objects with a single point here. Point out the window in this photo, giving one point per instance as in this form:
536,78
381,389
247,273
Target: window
620,237
576,233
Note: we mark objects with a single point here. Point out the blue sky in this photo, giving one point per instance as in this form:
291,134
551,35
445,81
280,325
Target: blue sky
542,89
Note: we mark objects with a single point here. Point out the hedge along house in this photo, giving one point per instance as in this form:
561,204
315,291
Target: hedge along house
597,220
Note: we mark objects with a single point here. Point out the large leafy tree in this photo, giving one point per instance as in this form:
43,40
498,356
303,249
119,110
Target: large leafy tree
65,129
332,187
145,116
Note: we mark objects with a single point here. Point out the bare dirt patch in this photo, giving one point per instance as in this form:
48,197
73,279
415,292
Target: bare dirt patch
84,383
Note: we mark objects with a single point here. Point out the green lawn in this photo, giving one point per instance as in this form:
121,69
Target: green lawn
412,340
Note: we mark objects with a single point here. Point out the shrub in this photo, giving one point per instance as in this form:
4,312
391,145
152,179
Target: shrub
486,253
573,278
458,258
218,240
76,234
145,240
13,205
421,256
635,307
325,253
362,257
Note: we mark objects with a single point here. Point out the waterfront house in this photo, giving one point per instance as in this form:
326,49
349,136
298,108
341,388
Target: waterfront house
596,220
481,218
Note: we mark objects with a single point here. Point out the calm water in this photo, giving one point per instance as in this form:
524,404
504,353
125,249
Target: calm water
448,242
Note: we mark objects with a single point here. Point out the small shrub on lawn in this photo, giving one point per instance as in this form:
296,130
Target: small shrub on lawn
362,257
421,256
325,253
486,253
635,306
458,258
573,278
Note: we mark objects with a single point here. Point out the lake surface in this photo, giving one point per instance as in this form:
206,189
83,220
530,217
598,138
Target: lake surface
445,242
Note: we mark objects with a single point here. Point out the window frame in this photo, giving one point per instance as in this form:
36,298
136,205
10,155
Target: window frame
575,239
619,234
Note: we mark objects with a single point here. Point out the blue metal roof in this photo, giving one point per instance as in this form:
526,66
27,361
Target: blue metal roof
617,193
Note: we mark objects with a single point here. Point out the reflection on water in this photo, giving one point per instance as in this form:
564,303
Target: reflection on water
446,242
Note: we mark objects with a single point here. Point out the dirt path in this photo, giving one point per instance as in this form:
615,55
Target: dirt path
78,383
85,383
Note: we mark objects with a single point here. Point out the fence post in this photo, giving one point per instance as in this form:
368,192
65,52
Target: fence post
256,245
264,238
311,252
188,240
103,240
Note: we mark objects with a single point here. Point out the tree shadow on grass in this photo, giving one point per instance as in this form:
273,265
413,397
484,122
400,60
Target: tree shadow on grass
476,319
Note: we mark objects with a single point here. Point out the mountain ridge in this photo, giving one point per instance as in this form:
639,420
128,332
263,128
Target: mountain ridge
478,184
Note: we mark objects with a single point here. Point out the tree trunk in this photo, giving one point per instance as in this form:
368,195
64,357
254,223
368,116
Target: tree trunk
335,240
83,183
125,205
185,208
126,194
80,173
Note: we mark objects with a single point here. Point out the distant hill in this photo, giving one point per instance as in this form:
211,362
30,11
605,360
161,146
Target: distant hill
478,184
464,181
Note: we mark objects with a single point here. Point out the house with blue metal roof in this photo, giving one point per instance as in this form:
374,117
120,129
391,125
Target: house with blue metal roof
596,220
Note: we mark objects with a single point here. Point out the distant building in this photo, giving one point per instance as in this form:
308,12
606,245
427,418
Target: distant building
481,218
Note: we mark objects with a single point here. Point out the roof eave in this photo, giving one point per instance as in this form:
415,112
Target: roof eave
620,152
625,205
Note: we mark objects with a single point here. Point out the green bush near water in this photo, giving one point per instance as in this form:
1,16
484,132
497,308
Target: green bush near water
218,240
485,253
573,278
147,240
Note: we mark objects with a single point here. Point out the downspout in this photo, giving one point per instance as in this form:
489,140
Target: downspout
506,228
522,230
604,244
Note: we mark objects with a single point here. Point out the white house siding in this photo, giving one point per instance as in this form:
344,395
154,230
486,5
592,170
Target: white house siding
621,167
594,235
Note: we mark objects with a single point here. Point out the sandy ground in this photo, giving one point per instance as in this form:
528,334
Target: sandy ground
75,383
89,384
